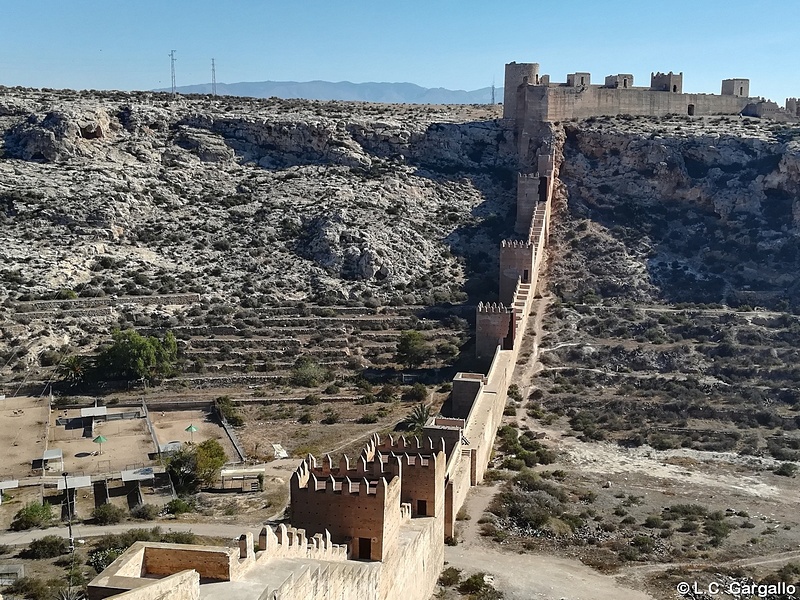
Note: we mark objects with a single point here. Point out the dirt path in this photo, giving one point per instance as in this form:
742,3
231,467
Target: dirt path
527,576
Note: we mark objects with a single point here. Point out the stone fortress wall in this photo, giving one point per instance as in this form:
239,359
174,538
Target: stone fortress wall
531,97
375,529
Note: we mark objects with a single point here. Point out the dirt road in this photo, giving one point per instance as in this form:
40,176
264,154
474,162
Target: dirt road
528,576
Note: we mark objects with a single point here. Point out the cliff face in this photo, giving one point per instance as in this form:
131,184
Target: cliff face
703,211
269,200
253,204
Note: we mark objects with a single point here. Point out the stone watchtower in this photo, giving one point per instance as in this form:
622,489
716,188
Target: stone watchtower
516,75
666,82
736,87
516,265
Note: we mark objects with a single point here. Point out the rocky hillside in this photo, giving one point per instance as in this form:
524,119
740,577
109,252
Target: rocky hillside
249,203
701,211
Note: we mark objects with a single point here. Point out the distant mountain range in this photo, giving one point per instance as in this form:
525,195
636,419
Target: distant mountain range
408,93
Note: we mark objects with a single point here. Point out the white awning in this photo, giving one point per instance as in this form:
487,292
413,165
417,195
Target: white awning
75,482
53,454
94,411
142,474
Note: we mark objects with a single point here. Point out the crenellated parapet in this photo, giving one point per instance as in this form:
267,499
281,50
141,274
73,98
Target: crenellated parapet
376,467
290,542
366,478
492,308
494,326
410,445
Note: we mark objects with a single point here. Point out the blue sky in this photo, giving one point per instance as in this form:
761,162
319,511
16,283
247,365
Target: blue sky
458,44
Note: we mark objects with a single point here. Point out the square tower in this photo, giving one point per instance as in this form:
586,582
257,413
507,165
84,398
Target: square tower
667,82
579,79
736,87
622,80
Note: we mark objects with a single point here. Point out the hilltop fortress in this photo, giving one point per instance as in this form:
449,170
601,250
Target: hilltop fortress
531,97
376,528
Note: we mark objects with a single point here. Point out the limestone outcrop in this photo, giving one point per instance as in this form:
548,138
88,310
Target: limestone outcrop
250,203
683,210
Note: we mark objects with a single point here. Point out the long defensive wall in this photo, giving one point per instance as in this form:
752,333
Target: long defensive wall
374,529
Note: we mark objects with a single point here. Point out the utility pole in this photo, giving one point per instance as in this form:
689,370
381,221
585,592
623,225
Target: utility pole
172,64
213,78
71,538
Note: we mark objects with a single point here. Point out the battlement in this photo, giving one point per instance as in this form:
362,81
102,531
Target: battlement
367,479
666,82
493,308
375,467
516,244
416,445
287,541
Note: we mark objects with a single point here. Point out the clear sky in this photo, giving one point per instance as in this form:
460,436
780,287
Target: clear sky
457,44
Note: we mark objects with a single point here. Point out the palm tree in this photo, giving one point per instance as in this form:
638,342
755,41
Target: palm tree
73,369
416,419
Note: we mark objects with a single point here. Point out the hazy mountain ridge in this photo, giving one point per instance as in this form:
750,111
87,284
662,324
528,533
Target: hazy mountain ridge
408,93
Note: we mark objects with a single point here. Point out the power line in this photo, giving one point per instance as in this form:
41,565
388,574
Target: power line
172,64
213,78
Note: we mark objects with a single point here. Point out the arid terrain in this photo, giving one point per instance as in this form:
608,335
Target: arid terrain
289,245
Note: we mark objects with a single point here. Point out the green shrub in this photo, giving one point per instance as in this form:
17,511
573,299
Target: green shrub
367,419
450,576
48,546
311,400
229,411
786,469
33,515
331,417
108,514
179,506
31,588
653,521
100,559
146,512
307,373
514,464
417,393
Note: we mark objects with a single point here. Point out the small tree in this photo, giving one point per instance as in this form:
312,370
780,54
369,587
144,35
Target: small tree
73,369
210,458
307,373
182,469
412,349
33,515
417,418
133,356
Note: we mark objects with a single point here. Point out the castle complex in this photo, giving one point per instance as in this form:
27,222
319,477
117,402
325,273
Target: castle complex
375,528
531,97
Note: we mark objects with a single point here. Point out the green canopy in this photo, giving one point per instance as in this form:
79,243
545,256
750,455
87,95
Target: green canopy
99,440
191,429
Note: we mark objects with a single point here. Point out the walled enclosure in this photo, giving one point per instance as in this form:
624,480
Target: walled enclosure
375,529
535,99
